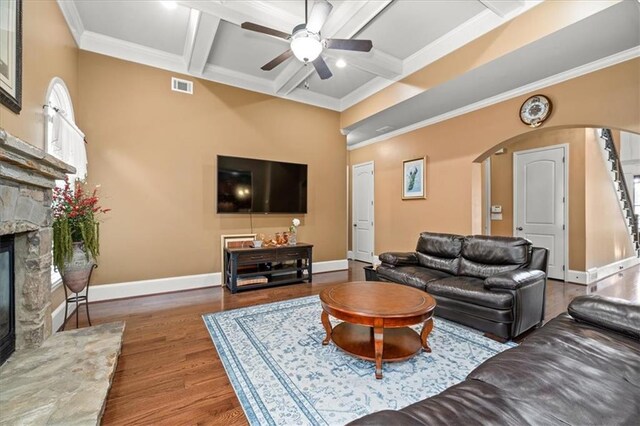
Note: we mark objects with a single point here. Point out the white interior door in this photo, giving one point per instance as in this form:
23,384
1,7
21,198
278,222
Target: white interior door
539,202
362,203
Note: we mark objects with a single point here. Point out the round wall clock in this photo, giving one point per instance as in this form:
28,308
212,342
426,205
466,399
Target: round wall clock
535,110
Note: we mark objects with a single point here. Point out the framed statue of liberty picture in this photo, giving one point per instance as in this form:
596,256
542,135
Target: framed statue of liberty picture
11,54
413,179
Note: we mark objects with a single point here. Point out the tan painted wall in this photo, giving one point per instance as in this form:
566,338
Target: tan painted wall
154,153
609,97
502,186
48,51
607,238
536,23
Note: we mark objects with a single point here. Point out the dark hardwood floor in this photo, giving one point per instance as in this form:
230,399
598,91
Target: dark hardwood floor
169,371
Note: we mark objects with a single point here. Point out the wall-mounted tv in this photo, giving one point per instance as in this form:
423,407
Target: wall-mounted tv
247,185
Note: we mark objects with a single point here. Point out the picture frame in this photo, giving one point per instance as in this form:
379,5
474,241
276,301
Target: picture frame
11,54
414,179
233,240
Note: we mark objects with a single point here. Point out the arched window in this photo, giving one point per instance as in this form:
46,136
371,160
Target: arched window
64,140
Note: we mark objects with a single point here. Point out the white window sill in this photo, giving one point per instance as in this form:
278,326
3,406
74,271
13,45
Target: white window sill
55,284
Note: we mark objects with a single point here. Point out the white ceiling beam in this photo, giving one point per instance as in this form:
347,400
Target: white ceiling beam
204,36
237,12
375,62
501,7
344,22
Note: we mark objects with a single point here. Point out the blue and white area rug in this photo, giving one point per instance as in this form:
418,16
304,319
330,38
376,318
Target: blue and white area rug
282,374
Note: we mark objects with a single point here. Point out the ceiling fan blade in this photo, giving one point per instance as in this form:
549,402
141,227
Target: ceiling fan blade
347,44
321,67
264,30
319,14
277,61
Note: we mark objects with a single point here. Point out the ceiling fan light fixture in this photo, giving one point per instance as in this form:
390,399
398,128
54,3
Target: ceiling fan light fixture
306,46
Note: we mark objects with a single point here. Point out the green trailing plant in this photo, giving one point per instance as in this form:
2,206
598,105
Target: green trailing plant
75,214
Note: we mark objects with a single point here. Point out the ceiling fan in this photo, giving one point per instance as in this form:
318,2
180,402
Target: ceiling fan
306,43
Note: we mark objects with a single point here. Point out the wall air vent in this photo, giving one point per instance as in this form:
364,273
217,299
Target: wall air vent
180,85
384,129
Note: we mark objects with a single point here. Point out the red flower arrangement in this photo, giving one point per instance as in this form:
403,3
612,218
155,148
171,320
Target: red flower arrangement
74,221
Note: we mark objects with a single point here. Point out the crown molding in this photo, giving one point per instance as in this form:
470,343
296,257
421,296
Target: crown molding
74,22
523,90
133,52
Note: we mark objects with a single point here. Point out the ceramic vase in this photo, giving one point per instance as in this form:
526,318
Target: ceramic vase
77,271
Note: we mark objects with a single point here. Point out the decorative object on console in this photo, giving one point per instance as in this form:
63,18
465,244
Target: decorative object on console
535,110
413,179
11,55
293,231
282,374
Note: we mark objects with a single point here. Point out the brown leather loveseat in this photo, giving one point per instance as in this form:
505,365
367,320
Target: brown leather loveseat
495,284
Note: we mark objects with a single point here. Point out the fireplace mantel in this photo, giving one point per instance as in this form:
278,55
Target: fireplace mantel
27,176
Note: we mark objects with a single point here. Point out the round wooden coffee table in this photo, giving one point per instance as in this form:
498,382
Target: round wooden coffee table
376,317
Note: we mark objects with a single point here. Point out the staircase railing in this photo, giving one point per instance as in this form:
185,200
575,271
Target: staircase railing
627,200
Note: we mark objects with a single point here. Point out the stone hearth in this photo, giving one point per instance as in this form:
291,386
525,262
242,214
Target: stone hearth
27,177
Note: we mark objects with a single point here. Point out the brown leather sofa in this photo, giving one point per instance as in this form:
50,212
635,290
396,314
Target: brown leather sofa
581,368
495,284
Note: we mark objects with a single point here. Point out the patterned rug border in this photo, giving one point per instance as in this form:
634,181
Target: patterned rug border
246,392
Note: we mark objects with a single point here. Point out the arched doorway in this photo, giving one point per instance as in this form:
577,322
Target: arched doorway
597,228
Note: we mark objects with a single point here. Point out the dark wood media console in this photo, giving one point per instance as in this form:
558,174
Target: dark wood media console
279,265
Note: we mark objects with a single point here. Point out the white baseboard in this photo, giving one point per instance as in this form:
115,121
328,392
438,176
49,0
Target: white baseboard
330,266
595,274
350,255
189,282
154,286
57,317
577,277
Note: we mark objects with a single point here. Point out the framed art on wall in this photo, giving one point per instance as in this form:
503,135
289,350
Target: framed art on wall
11,54
413,179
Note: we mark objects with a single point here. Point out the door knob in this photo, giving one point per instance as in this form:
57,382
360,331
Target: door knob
519,228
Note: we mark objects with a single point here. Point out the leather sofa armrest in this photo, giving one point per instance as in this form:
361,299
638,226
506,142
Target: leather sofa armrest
398,258
614,314
513,280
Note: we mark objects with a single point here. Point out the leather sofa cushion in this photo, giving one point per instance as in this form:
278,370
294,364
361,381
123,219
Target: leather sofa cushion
471,290
566,363
447,246
449,266
467,403
609,313
399,258
483,270
414,276
491,250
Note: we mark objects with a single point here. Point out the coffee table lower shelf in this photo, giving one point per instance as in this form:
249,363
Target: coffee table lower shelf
399,344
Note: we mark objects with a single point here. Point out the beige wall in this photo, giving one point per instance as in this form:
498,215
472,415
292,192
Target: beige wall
502,186
48,51
607,238
154,153
609,97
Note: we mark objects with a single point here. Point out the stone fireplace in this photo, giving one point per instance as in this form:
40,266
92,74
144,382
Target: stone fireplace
27,176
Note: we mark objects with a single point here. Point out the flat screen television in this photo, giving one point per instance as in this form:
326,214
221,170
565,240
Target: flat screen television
247,185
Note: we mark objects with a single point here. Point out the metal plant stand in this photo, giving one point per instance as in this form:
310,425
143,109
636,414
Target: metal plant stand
77,299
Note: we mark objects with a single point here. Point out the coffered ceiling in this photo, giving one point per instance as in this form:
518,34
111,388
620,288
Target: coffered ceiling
204,39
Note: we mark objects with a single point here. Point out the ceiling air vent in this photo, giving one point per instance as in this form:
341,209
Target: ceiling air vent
179,85
384,129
